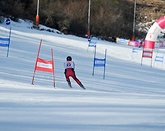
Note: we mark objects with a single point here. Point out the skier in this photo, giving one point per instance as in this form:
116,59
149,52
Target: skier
69,66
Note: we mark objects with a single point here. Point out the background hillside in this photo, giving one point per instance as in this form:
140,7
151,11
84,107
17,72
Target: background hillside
108,17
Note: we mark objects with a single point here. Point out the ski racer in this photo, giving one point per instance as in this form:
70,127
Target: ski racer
69,66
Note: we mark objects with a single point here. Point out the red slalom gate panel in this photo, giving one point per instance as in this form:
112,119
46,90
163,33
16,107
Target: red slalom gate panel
147,53
44,65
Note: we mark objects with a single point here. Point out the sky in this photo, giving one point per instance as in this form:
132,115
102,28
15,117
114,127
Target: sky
130,98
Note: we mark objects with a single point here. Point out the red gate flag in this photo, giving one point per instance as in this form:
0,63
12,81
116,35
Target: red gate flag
44,65
147,53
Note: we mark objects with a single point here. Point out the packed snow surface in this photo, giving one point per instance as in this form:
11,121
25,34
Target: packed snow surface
130,98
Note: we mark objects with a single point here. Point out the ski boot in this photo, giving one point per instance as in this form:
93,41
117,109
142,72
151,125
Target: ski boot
69,84
81,85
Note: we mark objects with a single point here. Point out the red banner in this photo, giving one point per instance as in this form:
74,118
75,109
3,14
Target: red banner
44,65
147,53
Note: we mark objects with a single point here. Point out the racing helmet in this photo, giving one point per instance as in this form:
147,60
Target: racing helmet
69,58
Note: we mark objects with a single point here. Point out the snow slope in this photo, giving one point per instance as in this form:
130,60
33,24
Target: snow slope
130,98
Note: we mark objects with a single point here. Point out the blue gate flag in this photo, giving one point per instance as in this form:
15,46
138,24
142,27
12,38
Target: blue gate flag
99,62
135,50
92,44
5,42
159,58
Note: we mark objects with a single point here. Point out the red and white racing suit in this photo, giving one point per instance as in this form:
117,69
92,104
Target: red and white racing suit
69,71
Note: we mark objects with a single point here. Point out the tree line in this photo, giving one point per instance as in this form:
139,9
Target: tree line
108,17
